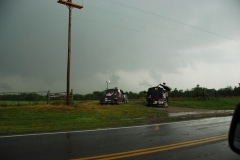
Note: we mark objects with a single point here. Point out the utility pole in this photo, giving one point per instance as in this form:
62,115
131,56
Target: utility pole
70,5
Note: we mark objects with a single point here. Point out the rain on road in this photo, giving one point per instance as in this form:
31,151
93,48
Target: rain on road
196,139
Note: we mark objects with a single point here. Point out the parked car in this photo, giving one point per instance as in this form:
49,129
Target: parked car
155,96
114,96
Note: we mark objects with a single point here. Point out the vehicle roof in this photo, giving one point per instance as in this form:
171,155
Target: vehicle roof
113,89
158,88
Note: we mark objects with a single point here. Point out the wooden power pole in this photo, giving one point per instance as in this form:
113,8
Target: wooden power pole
70,5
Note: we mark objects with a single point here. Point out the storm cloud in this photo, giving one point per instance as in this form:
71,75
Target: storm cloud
133,44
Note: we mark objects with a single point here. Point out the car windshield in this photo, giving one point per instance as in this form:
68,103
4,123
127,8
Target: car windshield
155,92
118,79
110,92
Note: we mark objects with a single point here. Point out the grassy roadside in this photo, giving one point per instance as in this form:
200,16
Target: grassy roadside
83,115
90,114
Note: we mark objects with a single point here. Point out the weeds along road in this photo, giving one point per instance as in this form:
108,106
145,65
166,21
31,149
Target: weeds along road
195,139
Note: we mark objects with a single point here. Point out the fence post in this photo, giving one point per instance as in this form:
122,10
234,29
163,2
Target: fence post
48,97
18,98
71,95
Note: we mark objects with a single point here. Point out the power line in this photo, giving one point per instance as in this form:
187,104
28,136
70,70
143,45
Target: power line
173,20
150,23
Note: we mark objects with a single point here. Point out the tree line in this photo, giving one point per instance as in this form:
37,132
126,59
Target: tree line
96,95
21,96
175,93
205,92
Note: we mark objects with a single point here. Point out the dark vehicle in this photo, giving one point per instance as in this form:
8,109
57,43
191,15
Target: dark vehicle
114,96
156,97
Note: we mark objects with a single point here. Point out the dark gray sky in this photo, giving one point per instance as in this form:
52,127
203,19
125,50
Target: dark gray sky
134,44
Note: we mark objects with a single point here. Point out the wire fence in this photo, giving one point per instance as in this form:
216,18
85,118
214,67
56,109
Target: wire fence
32,98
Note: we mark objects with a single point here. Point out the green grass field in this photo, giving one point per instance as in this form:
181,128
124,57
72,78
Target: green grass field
219,103
90,115
21,103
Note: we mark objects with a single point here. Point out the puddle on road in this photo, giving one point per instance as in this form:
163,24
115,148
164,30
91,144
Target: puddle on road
180,114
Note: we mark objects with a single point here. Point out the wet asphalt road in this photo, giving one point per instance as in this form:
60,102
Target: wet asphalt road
171,141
